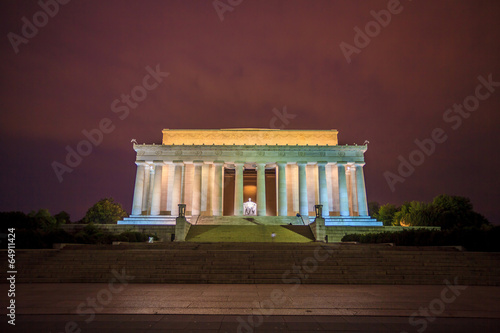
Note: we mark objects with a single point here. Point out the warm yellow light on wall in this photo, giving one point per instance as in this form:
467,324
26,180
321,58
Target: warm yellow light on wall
250,191
250,136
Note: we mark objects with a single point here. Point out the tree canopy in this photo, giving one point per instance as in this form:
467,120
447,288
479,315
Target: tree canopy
445,211
456,211
34,220
415,213
62,217
386,214
105,211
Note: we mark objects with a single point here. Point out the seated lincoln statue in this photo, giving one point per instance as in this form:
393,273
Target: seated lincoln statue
250,207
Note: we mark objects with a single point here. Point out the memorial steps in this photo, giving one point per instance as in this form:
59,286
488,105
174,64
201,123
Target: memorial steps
248,220
212,229
147,220
219,220
189,262
249,233
353,221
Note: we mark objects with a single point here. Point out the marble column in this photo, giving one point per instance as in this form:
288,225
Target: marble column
196,205
261,189
156,199
361,190
150,189
218,186
238,189
352,186
176,191
207,188
282,195
145,196
343,196
323,189
303,202
183,184
138,189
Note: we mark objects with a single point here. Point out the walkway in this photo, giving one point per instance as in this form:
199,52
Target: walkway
252,308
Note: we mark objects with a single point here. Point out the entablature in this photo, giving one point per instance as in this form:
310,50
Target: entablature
251,153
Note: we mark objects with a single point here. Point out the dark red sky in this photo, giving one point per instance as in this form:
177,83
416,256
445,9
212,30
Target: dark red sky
232,73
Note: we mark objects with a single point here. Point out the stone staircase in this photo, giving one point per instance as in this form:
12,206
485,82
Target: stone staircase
248,220
249,233
355,221
282,263
360,221
209,229
150,220
214,220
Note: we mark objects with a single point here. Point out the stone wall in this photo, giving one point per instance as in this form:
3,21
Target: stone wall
164,232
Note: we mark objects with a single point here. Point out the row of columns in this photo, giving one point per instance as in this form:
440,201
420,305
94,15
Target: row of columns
141,198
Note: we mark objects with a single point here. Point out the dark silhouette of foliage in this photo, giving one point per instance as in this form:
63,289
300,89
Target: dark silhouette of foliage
471,238
386,214
445,211
18,220
105,211
62,218
456,212
373,208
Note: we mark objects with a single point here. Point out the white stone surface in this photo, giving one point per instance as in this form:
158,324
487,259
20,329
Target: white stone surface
330,175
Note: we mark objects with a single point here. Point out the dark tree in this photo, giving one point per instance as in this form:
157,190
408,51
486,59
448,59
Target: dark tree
18,220
373,208
386,214
456,212
415,213
44,220
62,218
105,211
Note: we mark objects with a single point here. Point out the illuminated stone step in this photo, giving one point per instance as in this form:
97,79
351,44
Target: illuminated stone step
249,220
355,221
252,233
150,220
259,263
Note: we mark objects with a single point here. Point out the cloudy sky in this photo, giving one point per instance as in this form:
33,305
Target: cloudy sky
230,63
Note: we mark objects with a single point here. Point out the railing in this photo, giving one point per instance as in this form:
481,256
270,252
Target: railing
302,218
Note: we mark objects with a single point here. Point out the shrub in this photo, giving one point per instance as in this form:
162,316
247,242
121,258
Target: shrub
135,236
352,238
29,239
473,239
57,236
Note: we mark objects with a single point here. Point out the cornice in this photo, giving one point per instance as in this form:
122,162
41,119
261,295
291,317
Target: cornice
256,152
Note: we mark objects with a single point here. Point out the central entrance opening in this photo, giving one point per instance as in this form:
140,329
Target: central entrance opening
249,190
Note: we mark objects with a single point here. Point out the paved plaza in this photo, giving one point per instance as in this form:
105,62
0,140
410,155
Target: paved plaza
253,308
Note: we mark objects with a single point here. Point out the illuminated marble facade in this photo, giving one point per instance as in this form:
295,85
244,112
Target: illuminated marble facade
307,167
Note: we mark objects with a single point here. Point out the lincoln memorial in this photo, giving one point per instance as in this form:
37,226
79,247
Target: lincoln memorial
250,172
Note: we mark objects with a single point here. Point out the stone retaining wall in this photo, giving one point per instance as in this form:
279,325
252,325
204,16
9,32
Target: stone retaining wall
164,232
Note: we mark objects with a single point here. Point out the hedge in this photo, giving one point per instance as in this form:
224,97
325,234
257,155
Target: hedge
472,239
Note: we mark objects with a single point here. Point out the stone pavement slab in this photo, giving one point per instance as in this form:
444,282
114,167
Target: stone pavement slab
282,299
235,323
252,308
